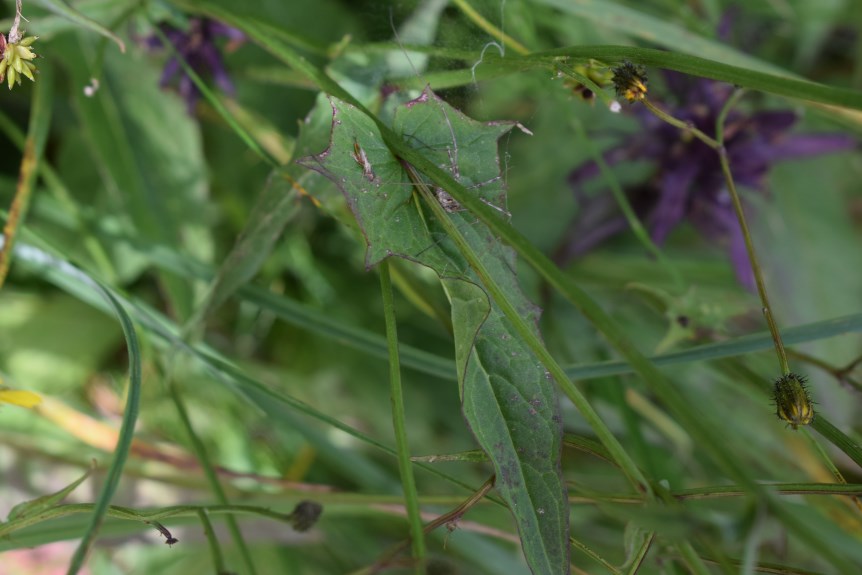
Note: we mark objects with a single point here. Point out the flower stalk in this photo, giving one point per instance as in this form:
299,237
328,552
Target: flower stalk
717,144
791,396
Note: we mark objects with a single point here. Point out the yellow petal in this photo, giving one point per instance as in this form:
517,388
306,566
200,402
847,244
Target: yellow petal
25,53
10,77
3,64
26,71
20,397
28,41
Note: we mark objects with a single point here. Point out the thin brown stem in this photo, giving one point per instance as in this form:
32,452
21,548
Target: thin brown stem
14,32
447,518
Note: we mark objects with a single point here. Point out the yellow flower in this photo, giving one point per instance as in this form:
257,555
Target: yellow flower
630,81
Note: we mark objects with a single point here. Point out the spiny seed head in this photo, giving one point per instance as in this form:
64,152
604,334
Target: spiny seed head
630,81
16,60
792,401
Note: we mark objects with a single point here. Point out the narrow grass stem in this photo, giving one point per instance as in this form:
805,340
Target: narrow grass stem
210,473
755,266
684,126
593,555
34,146
405,466
638,559
450,517
212,540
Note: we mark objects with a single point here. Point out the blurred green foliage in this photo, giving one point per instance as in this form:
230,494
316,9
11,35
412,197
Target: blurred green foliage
245,275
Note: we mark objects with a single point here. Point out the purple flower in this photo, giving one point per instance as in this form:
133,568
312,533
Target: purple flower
688,183
197,47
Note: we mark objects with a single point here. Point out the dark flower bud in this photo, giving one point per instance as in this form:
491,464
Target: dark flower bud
792,401
630,81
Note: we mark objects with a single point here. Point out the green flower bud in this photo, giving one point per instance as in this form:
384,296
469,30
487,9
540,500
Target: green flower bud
792,401
16,61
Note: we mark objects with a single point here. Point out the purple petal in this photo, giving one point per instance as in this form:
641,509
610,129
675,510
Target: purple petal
172,67
670,210
771,123
801,146
217,28
189,92
210,55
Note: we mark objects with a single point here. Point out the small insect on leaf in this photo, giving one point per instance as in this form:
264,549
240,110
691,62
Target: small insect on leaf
362,160
449,203
792,401
170,540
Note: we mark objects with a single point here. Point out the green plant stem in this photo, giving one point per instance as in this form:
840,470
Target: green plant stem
34,146
405,466
838,438
638,559
684,126
210,474
141,515
124,440
212,540
61,192
593,555
350,501
692,558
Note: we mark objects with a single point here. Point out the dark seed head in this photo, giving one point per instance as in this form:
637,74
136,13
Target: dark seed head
630,81
792,401
305,515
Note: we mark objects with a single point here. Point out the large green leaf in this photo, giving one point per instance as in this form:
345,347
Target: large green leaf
508,399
